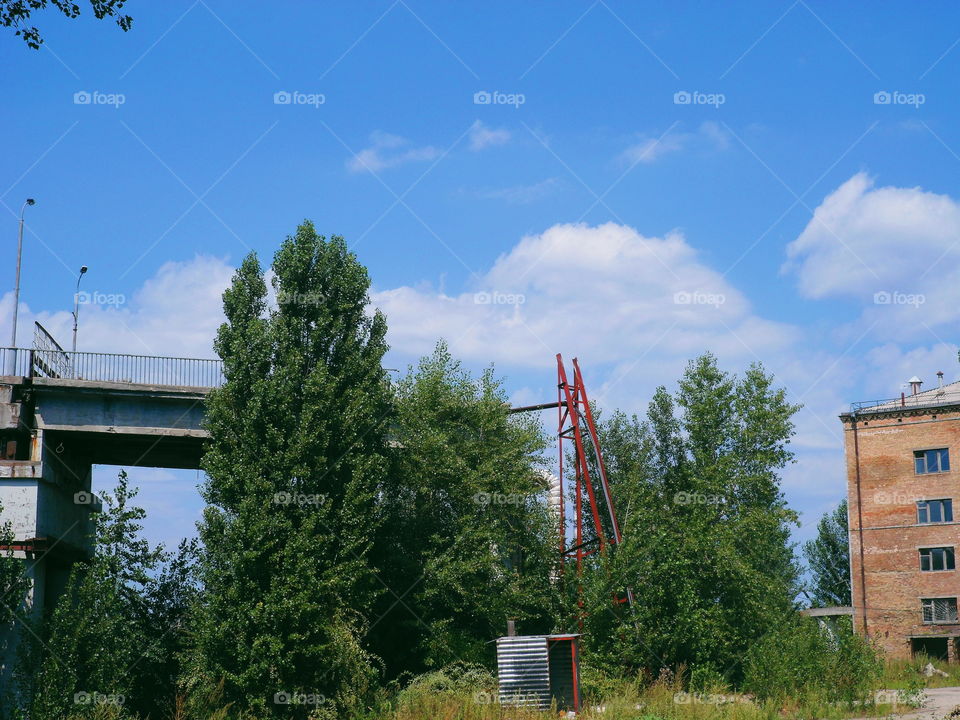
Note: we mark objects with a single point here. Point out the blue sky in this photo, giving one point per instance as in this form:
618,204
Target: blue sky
812,175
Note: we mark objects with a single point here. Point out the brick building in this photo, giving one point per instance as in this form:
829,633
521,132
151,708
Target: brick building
903,481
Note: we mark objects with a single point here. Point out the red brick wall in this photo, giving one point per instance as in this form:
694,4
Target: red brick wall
888,492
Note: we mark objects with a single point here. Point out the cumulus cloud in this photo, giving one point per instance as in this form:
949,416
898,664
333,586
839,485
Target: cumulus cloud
895,250
388,151
175,313
605,291
650,149
482,136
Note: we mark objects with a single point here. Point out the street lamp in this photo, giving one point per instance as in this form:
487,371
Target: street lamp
16,287
76,306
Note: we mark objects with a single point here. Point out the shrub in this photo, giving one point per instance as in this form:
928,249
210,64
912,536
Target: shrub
807,661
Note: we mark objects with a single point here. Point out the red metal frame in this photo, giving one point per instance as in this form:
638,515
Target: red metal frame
575,425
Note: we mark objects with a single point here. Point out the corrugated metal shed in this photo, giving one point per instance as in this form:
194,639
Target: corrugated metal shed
534,670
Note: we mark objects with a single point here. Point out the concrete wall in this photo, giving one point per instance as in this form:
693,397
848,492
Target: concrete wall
892,584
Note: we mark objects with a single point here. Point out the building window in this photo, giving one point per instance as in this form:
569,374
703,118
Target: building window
931,461
938,558
939,610
934,511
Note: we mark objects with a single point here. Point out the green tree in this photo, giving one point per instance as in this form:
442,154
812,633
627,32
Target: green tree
297,458
85,656
467,541
828,557
16,13
706,546
14,589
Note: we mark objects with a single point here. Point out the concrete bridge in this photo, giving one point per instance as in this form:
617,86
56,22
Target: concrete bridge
61,413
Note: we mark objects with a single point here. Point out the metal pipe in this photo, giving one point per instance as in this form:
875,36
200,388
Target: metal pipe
531,408
863,574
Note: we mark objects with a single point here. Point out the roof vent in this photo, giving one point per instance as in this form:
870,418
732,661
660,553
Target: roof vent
915,384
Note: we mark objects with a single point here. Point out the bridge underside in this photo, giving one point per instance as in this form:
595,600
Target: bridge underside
131,448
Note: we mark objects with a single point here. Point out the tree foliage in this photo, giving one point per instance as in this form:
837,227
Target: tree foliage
97,647
16,13
14,589
466,541
828,557
297,458
706,546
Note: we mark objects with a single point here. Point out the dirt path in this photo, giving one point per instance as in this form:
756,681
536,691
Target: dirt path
940,702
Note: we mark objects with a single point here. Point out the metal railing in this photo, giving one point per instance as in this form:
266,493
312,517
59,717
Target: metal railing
112,367
907,401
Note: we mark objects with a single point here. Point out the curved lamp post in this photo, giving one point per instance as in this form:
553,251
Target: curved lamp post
16,286
76,306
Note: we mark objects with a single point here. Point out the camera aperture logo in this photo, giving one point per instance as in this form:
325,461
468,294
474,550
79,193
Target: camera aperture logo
695,97
84,497
300,298
495,97
100,298
295,97
294,498
895,97
696,498
884,297
95,97
98,698
498,298
696,297
485,498
298,698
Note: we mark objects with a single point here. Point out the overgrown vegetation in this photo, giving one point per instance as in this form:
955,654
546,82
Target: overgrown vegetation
364,541
828,556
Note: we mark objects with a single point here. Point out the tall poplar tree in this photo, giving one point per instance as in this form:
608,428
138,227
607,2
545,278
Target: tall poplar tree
297,458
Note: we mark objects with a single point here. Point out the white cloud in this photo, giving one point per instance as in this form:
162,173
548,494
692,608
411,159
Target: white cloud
895,250
651,149
863,239
482,136
606,292
175,313
388,151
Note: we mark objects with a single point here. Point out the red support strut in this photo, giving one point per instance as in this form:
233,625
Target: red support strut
575,426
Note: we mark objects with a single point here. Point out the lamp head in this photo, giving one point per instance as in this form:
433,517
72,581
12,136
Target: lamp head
83,269
31,201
